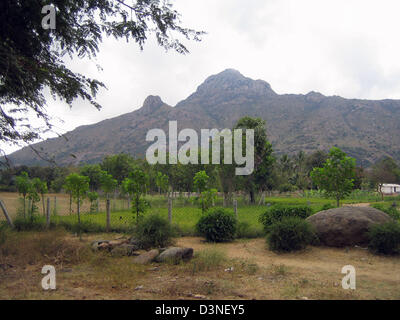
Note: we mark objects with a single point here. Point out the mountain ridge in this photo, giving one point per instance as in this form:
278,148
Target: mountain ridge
366,129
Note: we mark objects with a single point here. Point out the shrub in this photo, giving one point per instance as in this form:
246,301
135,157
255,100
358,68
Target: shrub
217,225
154,231
290,234
384,238
34,223
277,212
390,210
327,206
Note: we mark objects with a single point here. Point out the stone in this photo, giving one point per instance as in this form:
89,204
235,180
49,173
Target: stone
123,250
135,242
346,226
100,244
146,257
175,254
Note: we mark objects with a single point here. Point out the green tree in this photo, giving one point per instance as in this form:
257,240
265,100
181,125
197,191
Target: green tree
337,175
23,184
118,165
384,171
41,188
107,183
93,196
31,57
261,177
79,186
94,172
206,196
162,182
136,186
33,196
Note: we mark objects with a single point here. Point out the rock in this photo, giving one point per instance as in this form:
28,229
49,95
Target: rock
346,226
123,250
116,243
135,242
100,244
146,257
175,254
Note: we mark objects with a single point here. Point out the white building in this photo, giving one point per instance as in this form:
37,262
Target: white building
389,188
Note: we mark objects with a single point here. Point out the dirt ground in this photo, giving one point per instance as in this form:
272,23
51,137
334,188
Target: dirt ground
247,271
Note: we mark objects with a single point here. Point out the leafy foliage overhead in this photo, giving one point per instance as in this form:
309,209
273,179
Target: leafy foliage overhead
31,57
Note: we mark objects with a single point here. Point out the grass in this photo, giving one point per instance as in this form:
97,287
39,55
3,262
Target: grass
185,214
242,269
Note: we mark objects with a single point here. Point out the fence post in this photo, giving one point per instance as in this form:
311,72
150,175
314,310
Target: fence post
3,207
170,210
48,213
235,208
108,215
97,205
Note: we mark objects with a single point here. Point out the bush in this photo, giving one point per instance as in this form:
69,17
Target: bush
384,238
217,225
154,231
290,234
34,223
277,212
390,210
327,206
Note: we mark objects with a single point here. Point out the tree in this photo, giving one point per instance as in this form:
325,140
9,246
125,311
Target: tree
384,171
41,188
79,186
93,196
136,186
263,159
118,165
107,183
23,185
94,172
162,182
337,175
207,195
31,56
33,196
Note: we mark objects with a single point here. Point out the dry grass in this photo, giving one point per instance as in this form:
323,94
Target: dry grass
11,200
238,270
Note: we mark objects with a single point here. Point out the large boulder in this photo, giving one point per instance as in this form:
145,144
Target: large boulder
175,254
346,226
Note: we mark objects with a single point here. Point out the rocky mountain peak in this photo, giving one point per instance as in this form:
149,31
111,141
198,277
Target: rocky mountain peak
152,103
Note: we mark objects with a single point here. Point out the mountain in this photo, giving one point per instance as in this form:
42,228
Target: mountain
366,129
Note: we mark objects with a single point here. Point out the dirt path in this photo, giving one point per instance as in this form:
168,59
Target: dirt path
363,204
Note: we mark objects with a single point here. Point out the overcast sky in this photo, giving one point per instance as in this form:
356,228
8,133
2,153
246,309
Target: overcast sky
349,48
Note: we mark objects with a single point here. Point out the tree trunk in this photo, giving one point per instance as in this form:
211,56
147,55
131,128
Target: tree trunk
252,199
78,209
48,213
70,203
24,207
338,202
